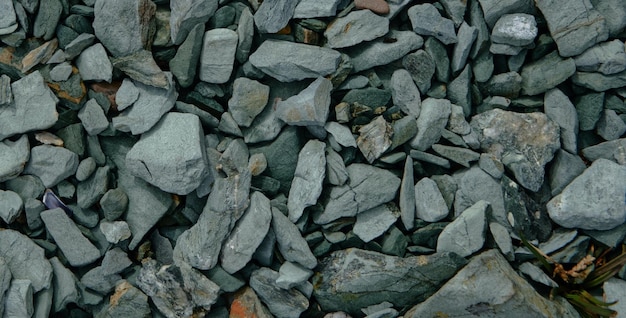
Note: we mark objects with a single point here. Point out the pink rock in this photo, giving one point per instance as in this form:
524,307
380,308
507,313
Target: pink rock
376,6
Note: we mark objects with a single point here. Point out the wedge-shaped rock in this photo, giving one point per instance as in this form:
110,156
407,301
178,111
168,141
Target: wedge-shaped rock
474,295
248,100
607,58
291,244
429,203
536,81
13,157
358,26
289,61
77,248
218,55
171,156
124,27
287,303
375,138
352,279
309,107
273,15
560,109
368,187
376,221
382,52
466,234
186,14
51,164
426,20
306,186
25,259
432,120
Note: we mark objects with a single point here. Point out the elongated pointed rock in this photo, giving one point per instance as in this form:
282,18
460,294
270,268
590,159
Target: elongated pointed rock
308,179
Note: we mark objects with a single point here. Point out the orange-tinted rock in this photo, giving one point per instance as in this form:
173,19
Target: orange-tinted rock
108,89
376,6
39,55
248,305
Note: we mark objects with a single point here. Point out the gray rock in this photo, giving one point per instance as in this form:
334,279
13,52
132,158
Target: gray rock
614,14
115,261
291,244
5,281
316,8
598,81
459,155
25,259
309,107
455,9
494,9
536,81
33,107
594,200
11,205
115,231
245,32
247,234
273,15
403,130
432,120
574,27
185,63
288,61
358,26
94,65
457,123
124,36
589,107
565,167
466,37
8,20
113,204
430,204
61,72
131,302
291,275
512,138
126,95
32,208
517,298
607,58
205,117
374,138
80,43
352,279
426,20
248,100
18,300
26,186
610,125
186,15
459,90
560,109
505,84
6,96
535,273
336,172
91,190
13,157
475,185
266,126
430,158
47,18
229,125
421,67
51,164
382,52
483,66
64,283
147,110
405,93
368,187
284,303
374,222
517,29
218,55
78,250
171,156
306,186
611,150
502,239
93,118
141,67
282,156
340,134
407,198
466,234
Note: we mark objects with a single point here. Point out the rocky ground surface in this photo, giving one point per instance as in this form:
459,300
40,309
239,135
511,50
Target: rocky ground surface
177,158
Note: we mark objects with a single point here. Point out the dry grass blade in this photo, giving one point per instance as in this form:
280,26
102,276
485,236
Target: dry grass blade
604,272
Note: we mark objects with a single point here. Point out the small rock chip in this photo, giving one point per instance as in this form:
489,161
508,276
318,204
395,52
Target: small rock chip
374,138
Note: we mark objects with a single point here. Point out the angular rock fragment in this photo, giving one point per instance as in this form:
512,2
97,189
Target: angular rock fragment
607,58
218,55
515,29
536,81
513,138
25,259
124,36
274,15
466,234
393,46
565,167
127,300
610,126
141,67
594,200
358,26
8,20
306,186
187,14
309,107
93,118
560,109
375,138
94,65
291,244
51,164
18,300
11,206
375,221
248,100
405,93
352,279
185,63
91,190
421,67
315,8
336,172
407,195
13,157
429,203
598,81
77,248
288,61
426,20
64,283
288,303
432,120
459,155
466,36
246,303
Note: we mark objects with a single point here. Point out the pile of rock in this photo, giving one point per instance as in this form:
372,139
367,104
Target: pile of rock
285,158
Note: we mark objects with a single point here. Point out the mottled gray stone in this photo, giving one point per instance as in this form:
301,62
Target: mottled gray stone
287,61
115,231
607,58
421,67
459,155
352,279
273,15
594,200
560,109
80,43
589,108
535,273
229,125
93,118
47,18
218,55
426,20
291,275
61,72
358,26
147,110
141,67
430,158
18,300
374,138
27,186
94,65
187,14
506,84
459,91
11,206
8,19
612,150
91,190
131,302
494,9
455,9
512,138
466,234
33,107
291,244
126,95
368,187
536,81
407,199
286,303
404,92
491,165
474,185
374,222
248,100
473,293
247,234
614,13
336,173
77,249
25,259
598,81
51,164
245,33
381,52
128,35
610,125
309,107
341,134
316,8
185,63
115,261
429,203
13,157
517,29
306,186
64,283
466,36
574,27
432,120
6,96
85,168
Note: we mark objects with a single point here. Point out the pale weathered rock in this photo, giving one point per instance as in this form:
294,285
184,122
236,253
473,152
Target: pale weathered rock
560,109
358,26
13,157
607,58
78,250
432,120
288,303
429,203
375,138
51,164
94,65
376,221
291,244
274,15
124,36
218,55
466,234
186,14
306,186
309,107
381,52
426,20
248,100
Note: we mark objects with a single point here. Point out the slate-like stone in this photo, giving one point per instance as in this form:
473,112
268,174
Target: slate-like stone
115,231
515,29
352,279
288,61
185,63
382,52
466,234
610,126
309,107
594,200
565,167
291,244
513,138
560,109
614,13
426,20
473,296
421,67
13,157
47,18
128,35
141,67
11,206
218,55
459,91
506,84
94,64
78,250
374,222
186,15
356,27
315,8
288,303
607,58
432,120
306,186
248,100
404,92
407,199
374,138
25,259
93,118
91,190
474,185
598,81
466,36
131,302
574,27
18,300
147,110
247,234
33,107
429,203
8,20
273,15
368,187
113,204
536,81
51,164
291,275
64,283
61,72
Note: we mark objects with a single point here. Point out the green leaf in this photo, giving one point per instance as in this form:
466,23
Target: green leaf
604,272
538,254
